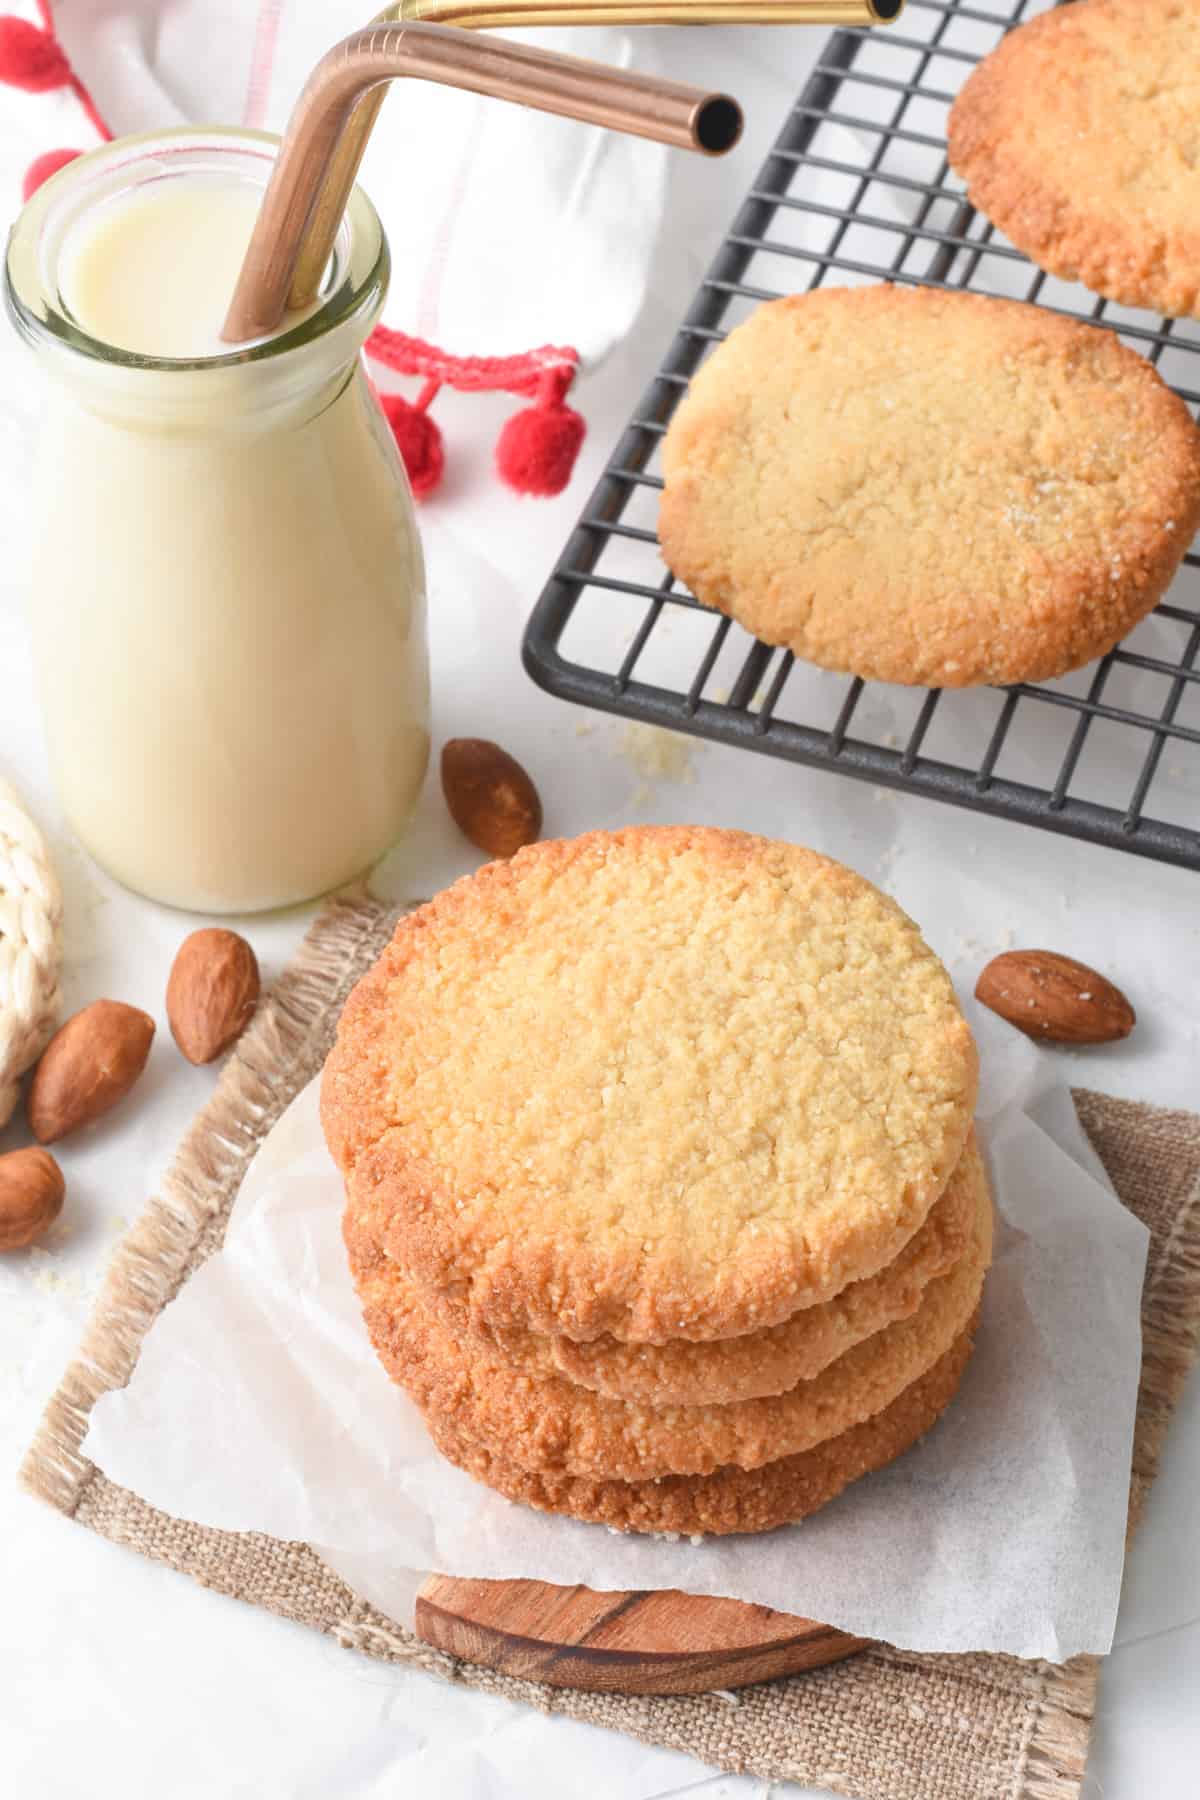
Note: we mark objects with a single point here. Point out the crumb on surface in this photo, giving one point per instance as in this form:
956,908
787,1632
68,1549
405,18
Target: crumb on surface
57,1283
658,755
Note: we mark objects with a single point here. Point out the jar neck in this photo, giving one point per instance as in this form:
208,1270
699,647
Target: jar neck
243,388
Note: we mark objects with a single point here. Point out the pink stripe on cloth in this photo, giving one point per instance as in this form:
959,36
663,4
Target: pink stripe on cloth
435,274
262,61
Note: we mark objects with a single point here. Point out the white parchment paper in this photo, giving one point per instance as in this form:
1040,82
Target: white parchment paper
257,1404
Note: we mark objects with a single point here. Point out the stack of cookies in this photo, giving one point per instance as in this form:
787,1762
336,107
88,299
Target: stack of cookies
663,1201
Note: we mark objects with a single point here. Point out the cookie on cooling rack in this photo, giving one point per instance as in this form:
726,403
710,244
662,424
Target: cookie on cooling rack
1077,137
661,1082
547,1424
929,487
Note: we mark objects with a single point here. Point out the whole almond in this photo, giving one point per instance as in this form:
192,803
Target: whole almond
212,992
491,798
31,1196
89,1064
1049,996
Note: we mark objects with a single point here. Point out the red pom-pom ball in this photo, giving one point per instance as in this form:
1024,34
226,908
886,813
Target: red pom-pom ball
30,58
419,442
536,450
43,167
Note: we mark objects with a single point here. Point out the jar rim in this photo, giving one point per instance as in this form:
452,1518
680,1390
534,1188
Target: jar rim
354,285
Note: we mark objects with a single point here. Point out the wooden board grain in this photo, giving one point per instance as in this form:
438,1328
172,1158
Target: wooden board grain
656,1642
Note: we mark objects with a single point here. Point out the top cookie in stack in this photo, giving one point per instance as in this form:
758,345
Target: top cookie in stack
649,1141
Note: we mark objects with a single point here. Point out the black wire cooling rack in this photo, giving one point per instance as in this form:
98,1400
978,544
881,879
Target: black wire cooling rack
857,189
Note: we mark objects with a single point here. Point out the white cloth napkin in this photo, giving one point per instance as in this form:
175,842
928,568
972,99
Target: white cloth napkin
509,229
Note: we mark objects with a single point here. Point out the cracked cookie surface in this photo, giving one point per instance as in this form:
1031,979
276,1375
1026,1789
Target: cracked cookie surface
668,1082
929,487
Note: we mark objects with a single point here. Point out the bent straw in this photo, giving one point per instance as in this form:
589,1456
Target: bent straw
667,111
473,14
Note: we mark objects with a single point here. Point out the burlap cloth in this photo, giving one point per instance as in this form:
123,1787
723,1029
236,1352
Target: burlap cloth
887,1725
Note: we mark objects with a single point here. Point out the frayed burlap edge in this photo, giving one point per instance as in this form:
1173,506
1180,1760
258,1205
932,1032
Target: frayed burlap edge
1024,1727
281,1050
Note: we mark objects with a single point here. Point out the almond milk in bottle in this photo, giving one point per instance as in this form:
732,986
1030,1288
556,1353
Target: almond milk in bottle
227,596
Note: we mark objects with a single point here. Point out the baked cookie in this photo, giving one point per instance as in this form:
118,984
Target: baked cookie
1077,137
929,487
732,1499
759,1362
656,1083
544,1423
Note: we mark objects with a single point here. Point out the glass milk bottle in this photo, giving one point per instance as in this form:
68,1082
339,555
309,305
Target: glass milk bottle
227,594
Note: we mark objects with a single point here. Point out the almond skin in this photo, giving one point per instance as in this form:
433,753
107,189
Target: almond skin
491,798
31,1196
1055,998
88,1065
212,992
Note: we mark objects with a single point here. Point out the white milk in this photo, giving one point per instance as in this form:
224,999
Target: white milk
227,591
152,270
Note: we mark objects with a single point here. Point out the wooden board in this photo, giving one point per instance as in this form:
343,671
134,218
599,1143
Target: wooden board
658,1642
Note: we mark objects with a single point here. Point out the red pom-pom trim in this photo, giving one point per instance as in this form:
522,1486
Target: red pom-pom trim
418,439
31,58
536,450
43,167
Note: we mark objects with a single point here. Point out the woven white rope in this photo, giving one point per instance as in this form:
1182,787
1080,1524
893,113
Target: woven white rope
30,947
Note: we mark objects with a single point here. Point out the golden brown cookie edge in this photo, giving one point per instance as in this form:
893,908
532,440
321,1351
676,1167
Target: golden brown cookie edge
546,1424
733,1500
753,1365
1110,253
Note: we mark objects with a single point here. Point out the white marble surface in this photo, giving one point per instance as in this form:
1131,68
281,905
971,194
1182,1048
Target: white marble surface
115,1674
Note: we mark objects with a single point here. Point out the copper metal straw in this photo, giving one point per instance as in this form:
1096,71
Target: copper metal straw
667,111
472,14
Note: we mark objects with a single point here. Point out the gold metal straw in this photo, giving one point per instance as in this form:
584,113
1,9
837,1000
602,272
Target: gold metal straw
473,14
644,105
